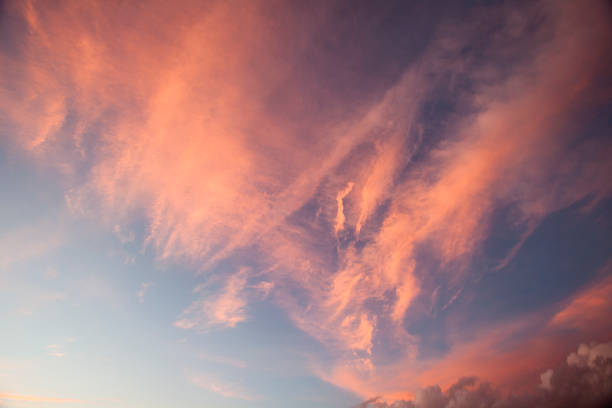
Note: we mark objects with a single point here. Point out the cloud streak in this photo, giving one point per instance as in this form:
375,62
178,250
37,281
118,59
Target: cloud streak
218,387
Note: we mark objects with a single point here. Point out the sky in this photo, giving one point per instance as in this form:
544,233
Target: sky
226,204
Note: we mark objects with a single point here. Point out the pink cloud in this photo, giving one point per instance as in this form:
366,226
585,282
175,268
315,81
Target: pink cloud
189,143
588,309
225,307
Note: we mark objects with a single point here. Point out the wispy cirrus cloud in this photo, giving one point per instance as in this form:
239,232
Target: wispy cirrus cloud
587,310
219,148
144,287
224,389
223,306
224,360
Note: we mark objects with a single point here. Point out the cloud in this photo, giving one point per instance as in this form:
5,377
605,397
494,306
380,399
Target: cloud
51,273
588,355
585,380
143,290
55,350
224,148
504,155
216,386
229,361
225,306
588,309
124,237
510,353
340,218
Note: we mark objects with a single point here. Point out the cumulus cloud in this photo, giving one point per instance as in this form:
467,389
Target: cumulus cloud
589,355
585,380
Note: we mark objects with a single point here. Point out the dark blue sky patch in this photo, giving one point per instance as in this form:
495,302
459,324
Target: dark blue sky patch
563,254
